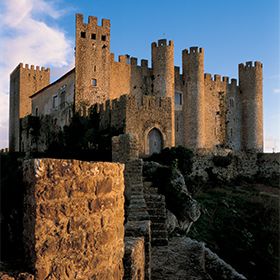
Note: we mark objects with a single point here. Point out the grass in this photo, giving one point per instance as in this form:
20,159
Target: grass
241,224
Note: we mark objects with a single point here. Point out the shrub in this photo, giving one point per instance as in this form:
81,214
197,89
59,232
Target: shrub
222,161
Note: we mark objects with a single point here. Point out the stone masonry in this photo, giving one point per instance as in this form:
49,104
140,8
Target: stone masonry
163,107
73,219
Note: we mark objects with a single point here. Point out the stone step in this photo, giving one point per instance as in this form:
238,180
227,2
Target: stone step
154,197
138,202
137,196
155,204
159,242
158,226
138,216
159,234
147,184
151,191
157,211
157,219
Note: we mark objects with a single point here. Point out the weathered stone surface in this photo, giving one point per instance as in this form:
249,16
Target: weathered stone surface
171,184
74,219
184,258
248,165
134,259
142,229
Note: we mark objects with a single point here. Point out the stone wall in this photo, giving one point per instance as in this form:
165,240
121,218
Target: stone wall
134,259
73,219
152,112
241,164
124,148
56,100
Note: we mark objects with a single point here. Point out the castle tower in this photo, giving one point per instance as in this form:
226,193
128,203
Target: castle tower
193,105
163,84
251,91
92,59
24,81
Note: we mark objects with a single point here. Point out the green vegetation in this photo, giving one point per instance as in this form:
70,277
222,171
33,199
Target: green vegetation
179,157
241,224
222,161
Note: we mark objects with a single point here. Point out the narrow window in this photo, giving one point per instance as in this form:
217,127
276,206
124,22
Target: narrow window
94,82
55,101
36,112
178,98
103,37
83,34
93,36
94,68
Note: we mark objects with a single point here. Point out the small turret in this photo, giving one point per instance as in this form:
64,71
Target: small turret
92,60
193,106
251,91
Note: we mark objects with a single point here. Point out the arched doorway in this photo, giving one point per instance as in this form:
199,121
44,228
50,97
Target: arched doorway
155,141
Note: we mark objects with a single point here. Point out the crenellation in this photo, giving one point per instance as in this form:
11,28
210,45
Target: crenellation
193,50
208,77
133,61
233,82
195,102
106,23
249,65
124,59
93,21
225,79
144,63
217,78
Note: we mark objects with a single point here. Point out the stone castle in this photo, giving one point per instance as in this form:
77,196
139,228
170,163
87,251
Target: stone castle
160,106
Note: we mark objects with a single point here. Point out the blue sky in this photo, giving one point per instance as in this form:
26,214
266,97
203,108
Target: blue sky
42,32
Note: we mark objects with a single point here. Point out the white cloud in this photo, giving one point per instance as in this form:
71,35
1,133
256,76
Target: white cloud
276,90
26,39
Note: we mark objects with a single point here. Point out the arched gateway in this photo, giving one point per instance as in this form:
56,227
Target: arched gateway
155,141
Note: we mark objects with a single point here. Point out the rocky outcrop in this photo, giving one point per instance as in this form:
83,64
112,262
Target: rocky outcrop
185,258
170,182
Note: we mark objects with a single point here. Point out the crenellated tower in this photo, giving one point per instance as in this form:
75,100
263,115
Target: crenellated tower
193,105
24,81
163,80
92,61
251,91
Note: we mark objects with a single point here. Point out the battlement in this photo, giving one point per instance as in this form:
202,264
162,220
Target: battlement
92,21
33,68
162,43
250,65
193,50
126,59
217,78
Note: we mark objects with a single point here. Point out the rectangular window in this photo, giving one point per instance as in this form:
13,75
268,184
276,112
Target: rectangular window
93,36
83,34
55,101
94,82
178,98
103,37
36,112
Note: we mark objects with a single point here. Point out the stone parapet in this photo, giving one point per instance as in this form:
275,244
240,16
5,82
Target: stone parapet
73,219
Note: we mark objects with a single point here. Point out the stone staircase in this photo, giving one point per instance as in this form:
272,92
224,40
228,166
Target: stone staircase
157,211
